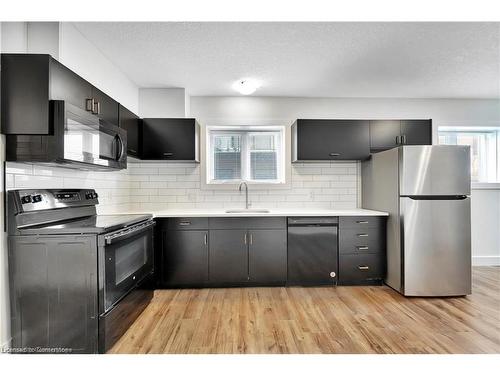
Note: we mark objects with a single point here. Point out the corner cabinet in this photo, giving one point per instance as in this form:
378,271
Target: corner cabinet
174,139
387,134
326,140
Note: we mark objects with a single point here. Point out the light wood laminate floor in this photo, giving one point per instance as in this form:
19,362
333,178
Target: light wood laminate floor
318,320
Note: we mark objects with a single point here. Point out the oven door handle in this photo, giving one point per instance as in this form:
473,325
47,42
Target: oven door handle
128,232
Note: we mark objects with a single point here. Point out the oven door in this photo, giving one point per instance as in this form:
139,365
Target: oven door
87,139
126,257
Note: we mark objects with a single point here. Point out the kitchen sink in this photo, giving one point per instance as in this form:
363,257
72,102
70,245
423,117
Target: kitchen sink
248,210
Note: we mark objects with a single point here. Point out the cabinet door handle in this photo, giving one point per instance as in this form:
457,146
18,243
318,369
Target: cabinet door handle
397,140
362,247
251,239
363,235
334,154
168,154
89,105
363,268
403,139
361,221
184,223
205,239
97,108
245,239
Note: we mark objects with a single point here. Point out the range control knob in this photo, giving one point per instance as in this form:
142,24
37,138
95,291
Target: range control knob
88,195
333,274
96,196
36,198
26,199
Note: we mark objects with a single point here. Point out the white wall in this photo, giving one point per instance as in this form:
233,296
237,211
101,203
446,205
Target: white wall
80,55
485,207
163,103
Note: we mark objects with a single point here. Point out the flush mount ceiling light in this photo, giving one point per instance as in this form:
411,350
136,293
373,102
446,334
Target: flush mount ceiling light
246,86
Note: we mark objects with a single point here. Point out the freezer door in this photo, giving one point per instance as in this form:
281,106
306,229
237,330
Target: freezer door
434,170
436,246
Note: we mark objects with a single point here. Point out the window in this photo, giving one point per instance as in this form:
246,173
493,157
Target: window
484,149
254,154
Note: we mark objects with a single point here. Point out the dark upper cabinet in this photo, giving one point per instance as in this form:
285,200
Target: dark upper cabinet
68,86
30,81
416,132
384,134
185,257
228,256
130,122
170,139
267,256
105,107
319,140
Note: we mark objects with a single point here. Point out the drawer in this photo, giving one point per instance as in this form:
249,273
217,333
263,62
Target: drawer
359,268
187,223
247,223
361,221
361,240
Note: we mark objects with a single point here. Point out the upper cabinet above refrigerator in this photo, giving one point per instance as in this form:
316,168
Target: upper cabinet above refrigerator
326,140
387,134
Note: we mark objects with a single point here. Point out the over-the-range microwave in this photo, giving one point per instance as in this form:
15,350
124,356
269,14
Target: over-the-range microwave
78,139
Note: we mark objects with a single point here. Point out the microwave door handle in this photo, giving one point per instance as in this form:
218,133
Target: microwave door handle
121,148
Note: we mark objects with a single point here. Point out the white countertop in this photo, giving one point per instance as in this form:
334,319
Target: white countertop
271,213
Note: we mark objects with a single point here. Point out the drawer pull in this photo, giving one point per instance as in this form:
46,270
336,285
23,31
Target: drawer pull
184,223
362,247
168,154
361,221
363,268
334,154
363,235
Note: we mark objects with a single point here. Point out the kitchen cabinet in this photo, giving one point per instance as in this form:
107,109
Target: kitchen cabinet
325,140
105,107
416,132
185,257
170,139
384,134
362,250
54,294
184,251
228,256
31,81
267,254
130,122
387,134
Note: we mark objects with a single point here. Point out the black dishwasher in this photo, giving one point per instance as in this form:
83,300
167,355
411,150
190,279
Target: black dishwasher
312,251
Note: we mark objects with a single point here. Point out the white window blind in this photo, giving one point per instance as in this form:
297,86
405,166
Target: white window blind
254,155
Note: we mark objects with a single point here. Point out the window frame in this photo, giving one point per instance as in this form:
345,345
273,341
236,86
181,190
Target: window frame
495,143
246,131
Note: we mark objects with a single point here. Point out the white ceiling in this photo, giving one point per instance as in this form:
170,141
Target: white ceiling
409,60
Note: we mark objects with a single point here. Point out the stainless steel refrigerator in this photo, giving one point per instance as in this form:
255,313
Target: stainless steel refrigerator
426,190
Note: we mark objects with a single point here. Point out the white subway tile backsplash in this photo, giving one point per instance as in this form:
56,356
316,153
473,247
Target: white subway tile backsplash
147,186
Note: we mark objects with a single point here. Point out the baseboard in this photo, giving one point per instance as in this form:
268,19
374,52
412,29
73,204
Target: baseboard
486,260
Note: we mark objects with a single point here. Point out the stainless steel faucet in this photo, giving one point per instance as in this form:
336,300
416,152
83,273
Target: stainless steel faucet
247,205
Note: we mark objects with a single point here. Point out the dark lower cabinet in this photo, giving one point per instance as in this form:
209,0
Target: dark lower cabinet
267,256
362,250
185,257
228,256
